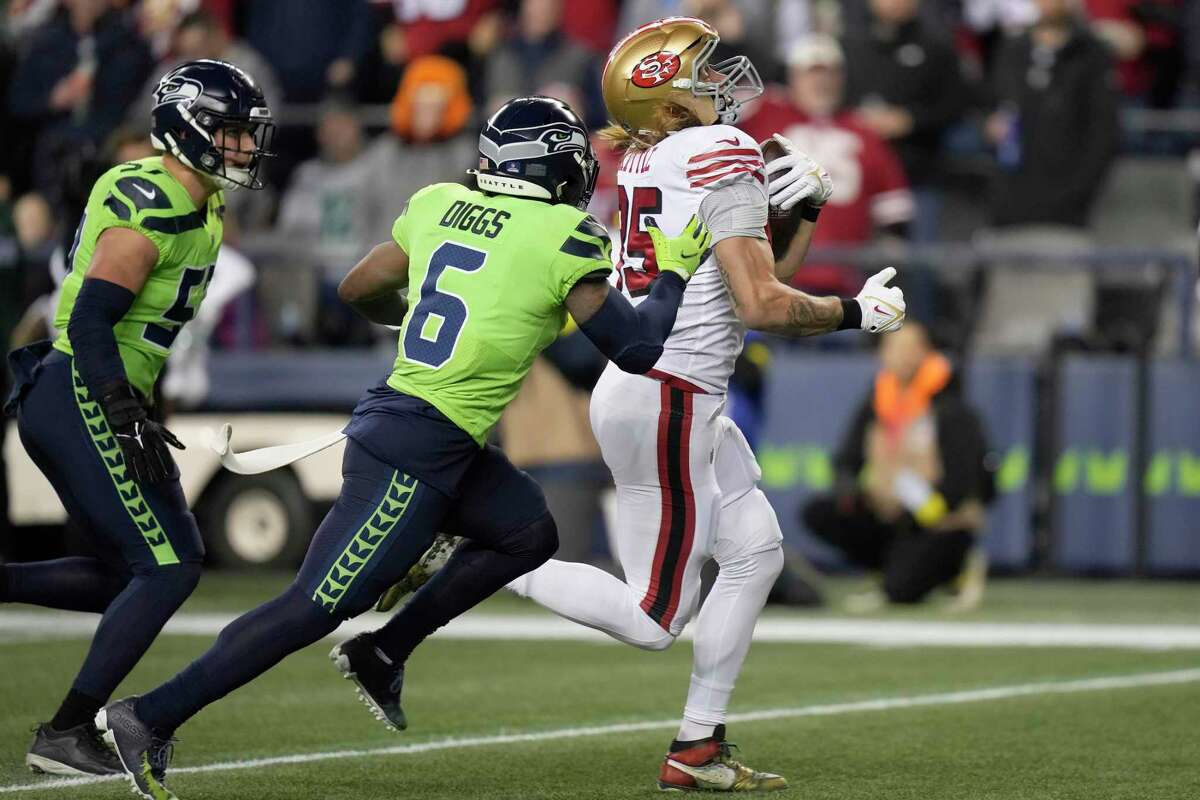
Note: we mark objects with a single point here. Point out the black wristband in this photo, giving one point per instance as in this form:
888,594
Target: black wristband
851,315
121,404
810,212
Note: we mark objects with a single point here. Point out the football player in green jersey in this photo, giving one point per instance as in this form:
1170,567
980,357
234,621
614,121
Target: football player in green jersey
478,282
142,257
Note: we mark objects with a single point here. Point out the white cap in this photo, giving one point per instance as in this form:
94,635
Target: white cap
815,50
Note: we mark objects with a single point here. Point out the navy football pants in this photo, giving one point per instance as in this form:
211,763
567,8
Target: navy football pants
149,548
382,522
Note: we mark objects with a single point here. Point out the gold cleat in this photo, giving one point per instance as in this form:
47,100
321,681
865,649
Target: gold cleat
708,766
426,567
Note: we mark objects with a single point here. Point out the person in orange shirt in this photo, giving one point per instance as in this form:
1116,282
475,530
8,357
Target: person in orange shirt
911,477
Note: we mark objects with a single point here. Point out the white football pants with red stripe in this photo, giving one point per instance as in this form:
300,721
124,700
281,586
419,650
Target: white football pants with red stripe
686,492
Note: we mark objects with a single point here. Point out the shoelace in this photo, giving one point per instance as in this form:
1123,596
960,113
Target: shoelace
96,739
397,681
159,756
726,754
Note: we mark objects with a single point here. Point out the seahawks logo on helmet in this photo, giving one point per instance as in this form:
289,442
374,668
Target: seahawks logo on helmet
519,144
176,89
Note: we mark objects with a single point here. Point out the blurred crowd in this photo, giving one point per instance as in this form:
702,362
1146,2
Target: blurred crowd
1048,125
936,118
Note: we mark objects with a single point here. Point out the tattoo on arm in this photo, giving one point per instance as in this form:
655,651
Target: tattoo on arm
808,315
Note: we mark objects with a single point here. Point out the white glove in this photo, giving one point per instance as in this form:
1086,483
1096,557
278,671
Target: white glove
882,306
794,177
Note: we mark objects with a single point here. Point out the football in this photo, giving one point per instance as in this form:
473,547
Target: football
781,224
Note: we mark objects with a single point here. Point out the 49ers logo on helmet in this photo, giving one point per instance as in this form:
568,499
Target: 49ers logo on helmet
655,69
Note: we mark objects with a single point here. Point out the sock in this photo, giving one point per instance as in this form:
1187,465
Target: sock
724,630
590,596
76,709
245,649
72,584
472,574
690,732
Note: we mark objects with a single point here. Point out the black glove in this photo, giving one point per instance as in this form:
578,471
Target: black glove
143,441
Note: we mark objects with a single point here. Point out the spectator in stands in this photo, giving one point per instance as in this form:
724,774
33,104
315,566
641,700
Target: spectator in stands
537,55
1055,127
418,31
911,483
466,30
330,206
870,192
200,35
1145,38
592,23
315,46
903,76
762,29
77,75
428,141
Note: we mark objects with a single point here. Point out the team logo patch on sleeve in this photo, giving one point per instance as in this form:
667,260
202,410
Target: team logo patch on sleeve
655,70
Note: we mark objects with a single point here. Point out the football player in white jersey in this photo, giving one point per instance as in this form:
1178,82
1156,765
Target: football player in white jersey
685,476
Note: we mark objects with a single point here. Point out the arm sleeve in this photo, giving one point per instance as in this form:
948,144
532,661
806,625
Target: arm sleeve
736,209
632,338
99,306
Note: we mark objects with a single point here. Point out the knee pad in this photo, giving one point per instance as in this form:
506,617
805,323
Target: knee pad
537,541
658,644
748,525
761,565
175,582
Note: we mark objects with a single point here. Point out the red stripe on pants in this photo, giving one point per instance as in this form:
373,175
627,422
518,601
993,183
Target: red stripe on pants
677,525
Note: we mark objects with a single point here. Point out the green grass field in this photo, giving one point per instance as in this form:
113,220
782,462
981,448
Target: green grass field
503,719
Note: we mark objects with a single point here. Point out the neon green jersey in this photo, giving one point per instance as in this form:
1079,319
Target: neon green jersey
143,196
488,275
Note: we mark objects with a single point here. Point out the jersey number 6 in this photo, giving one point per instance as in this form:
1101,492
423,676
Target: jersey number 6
438,319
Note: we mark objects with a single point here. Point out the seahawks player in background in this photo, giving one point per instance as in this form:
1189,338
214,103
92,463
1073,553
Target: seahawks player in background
490,274
142,258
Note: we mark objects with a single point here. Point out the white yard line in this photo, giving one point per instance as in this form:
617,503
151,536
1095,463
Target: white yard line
881,704
28,625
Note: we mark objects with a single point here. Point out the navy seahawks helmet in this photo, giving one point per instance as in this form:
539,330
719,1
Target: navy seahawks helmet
537,147
197,100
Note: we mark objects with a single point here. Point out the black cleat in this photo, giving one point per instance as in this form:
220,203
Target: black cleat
379,680
144,756
75,751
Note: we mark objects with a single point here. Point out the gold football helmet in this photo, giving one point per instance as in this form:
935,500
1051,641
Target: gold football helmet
667,61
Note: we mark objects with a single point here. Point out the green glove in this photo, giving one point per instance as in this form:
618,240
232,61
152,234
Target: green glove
681,254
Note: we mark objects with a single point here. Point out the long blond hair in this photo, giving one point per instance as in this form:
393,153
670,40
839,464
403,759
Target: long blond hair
668,117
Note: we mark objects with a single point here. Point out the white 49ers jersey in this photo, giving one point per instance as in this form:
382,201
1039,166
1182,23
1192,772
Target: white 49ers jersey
668,182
